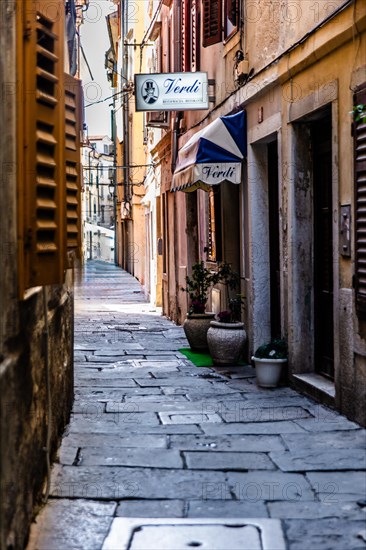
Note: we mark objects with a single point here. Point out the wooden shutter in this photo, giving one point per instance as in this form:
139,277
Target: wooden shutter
212,22
193,33
360,205
40,142
185,37
73,126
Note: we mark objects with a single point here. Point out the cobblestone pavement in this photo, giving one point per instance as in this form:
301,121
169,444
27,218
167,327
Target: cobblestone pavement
153,436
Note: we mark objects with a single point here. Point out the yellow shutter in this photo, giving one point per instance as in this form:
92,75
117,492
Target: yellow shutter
40,143
73,126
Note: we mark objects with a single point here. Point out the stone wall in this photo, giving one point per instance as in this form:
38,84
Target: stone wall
23,389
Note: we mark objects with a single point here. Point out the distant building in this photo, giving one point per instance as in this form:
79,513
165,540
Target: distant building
98,199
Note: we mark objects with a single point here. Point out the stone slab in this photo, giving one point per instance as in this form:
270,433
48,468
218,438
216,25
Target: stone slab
96,422
106,382
226,509
56,527
145,441
327,425
172,406
127,456
228,461
151,509
266,428
264,485
145,398
175,382
324,534
245,443
355,439
316,510
112,482
340,459
330,486
187,418
119,428
103,394
264,414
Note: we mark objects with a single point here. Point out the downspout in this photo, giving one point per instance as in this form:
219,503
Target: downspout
126,129
175,137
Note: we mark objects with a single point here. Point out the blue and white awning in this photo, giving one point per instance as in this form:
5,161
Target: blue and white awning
213,155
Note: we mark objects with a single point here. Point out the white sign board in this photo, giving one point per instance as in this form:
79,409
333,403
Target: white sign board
171,91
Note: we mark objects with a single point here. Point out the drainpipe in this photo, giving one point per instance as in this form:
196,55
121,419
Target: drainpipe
127,195
178,117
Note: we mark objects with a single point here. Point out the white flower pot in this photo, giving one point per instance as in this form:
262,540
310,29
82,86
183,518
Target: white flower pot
268,371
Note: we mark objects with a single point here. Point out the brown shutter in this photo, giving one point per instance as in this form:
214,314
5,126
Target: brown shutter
360,205
185,36
40,152
193,33
73,126
212,22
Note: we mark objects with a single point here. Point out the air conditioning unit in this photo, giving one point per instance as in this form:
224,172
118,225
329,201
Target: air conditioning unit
158,119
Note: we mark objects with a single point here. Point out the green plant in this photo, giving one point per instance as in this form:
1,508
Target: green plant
198,286
231,280
359,113
275,349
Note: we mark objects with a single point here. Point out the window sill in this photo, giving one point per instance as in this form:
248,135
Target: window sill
230,42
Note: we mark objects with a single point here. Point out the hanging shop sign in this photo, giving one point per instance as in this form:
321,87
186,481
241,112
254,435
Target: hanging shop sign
171,91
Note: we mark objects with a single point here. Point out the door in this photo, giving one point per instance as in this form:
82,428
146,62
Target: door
323,247
274,243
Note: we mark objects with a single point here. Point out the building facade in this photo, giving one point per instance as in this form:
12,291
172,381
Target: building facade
98,199
293,227
40,117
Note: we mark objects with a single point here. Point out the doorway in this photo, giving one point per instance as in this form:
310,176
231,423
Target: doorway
274,240
321,140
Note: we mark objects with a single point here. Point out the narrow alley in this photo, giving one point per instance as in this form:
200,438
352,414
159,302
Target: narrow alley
153,436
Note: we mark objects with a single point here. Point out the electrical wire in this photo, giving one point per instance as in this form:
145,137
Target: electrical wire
109,97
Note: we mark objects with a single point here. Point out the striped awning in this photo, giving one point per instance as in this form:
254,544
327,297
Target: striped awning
213,155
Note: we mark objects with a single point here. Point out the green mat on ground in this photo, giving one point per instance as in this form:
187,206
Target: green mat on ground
200,359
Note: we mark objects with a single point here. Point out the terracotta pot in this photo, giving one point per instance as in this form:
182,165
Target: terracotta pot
195,327
226,342
268,371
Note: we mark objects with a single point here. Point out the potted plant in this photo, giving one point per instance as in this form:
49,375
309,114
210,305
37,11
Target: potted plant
226,336
269,359
198,320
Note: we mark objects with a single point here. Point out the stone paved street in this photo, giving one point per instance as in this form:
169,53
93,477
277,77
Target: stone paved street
153,436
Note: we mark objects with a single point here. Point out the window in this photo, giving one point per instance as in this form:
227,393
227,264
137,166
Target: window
214,239
212,22
219,16
231,17
360,204
48,151
106,149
